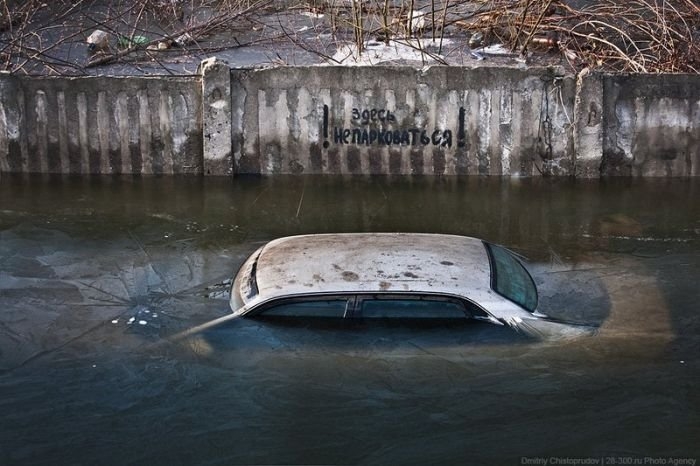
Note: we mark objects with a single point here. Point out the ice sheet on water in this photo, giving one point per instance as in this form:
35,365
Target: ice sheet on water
56,288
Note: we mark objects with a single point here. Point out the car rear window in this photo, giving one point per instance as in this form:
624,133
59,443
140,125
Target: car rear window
411,309
510,279
308,308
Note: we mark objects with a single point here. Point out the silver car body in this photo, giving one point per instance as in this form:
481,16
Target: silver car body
378,263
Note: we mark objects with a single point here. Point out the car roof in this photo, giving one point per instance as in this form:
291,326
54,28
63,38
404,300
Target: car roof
373,262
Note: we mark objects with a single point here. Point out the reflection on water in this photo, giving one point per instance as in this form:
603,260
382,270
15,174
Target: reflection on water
96,274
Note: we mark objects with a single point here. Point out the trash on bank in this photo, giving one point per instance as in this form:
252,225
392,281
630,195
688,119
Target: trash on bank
184,40
476,40
161,45
126,42
98,40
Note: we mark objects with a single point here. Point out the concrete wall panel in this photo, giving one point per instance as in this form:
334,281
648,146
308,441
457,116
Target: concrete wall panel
100,125
399,120
337,120
651,125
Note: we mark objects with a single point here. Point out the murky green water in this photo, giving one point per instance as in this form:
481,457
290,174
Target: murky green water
82,383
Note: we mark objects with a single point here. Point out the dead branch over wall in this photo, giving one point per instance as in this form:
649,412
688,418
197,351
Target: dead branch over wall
632,36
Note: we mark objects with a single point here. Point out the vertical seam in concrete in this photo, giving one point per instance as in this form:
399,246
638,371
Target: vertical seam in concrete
62,132
694,117
262,102
544,133
411,98
4,140
495,150
83,132
432,125
165,111
121,114
516,135
505,130
368,95
326,99
42,130
103,132
484,131
145,132
637,160
179,127
23,144
390,99
348,105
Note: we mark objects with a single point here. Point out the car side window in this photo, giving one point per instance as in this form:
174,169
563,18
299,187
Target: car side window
307,308
511,279
411,309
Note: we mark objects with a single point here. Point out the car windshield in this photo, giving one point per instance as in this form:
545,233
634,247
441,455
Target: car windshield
510,279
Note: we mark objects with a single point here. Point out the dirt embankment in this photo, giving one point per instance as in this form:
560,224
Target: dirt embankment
172,36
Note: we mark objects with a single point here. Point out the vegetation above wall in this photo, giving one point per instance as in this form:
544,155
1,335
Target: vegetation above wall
75,37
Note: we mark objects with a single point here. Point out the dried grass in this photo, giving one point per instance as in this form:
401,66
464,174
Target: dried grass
648,36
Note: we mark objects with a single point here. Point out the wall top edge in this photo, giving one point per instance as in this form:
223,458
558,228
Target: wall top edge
556,70
552,69
168,77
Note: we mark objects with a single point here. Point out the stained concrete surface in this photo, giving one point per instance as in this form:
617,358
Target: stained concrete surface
82,383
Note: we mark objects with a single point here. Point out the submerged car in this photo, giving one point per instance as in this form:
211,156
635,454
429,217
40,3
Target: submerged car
389,275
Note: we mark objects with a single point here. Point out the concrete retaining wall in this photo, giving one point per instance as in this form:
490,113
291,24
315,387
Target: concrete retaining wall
399,120
100,125
652,125
374,120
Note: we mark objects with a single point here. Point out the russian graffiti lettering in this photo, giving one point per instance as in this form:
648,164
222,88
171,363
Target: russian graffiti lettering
367,116
373,130
399,137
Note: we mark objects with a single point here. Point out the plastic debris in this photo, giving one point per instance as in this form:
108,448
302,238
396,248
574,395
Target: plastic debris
184,39
495,49
161,45
98,40
125,42
476,39
312,14
142,322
